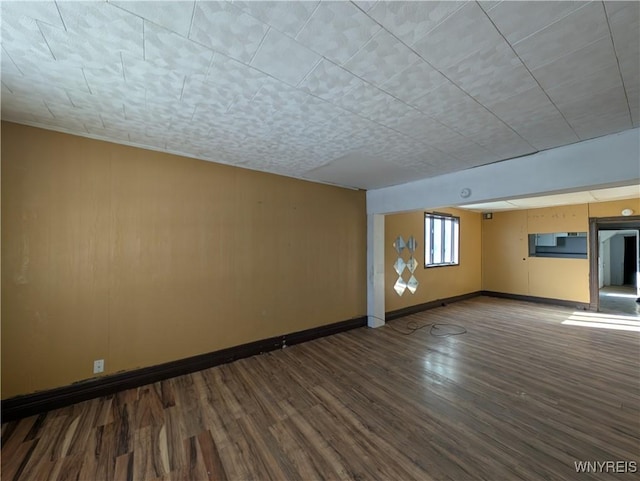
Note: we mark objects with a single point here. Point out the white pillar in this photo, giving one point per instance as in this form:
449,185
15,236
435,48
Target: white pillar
375,270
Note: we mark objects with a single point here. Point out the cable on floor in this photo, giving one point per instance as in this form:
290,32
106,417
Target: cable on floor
412,326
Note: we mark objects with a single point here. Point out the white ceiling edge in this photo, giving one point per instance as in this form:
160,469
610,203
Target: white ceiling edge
152,148
570,198
609,161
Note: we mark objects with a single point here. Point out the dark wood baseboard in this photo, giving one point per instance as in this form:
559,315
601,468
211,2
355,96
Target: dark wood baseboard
540,300
405,311
30,404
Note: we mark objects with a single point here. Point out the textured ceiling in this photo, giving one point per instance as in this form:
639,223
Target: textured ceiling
364,94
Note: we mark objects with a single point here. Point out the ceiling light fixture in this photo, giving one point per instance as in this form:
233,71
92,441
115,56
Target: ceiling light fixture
627,212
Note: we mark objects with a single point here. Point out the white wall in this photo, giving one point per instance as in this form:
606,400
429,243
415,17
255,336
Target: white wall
604,263
617,259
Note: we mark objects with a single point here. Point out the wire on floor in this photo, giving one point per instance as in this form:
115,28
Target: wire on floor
411,327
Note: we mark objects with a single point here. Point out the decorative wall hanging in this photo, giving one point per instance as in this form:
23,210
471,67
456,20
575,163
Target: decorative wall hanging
400,264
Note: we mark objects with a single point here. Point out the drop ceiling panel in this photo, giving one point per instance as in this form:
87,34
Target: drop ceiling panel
227,29
350,169
581,27
519,20
337,30
466,31
414,81
175,16
395,90
283,58
329,81
169,50
411,21
381,58
286,17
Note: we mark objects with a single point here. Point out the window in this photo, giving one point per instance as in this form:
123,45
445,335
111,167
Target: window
441,240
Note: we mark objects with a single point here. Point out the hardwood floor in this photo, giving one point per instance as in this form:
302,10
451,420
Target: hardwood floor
519,396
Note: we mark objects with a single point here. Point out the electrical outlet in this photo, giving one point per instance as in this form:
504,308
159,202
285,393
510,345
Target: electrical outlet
98,366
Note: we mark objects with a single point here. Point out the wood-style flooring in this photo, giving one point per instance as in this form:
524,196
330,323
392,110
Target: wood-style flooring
520,396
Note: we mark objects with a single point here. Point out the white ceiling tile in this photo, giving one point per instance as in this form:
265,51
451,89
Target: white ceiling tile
227,29
144,75
624,20
329,81
609,100
532,115
197,91
363,99
585,86
577,64
365,5
235,76
21,35
410,21
381,58
581,27
169,50
337,30
593,126
286,16
78,50
518,20
613,6
357,169
29,88
488,5
281,57
414,81
8,66
42,11
466,31
174,16
603,111
491,75
102,22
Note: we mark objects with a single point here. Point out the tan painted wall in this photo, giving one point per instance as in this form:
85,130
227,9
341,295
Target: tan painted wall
140,257
506,266
436,282
614,208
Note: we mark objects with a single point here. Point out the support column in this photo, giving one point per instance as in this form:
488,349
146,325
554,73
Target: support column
375,270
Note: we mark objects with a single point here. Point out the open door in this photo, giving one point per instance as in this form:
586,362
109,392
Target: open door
614,253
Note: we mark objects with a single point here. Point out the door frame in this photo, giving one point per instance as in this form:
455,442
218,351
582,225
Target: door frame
596,224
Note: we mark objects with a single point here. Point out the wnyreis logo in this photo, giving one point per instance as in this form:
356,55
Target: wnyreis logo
606,466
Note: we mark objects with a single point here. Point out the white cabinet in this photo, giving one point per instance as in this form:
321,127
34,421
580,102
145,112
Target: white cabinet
546,240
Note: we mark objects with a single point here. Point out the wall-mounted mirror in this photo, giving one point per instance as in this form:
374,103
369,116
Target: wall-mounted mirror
399,266
412,244
399,244
412,285
400,286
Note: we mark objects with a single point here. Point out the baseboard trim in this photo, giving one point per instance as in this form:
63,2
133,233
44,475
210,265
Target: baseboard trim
538,300
30,404
405,311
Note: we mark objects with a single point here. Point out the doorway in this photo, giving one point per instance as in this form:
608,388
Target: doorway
614,246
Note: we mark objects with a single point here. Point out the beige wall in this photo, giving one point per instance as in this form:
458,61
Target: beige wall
435,282
614,208
140,257
506,266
